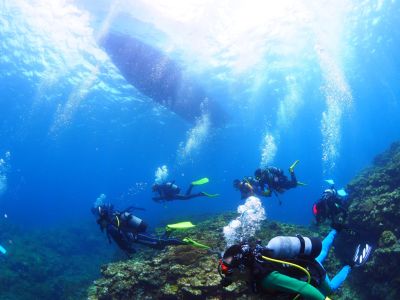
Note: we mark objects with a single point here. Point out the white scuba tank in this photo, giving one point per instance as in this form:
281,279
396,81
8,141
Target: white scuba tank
294,246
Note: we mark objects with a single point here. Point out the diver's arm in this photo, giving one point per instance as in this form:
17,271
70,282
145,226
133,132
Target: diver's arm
280,282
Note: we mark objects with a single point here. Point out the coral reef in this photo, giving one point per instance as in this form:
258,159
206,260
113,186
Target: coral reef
184,272
374,212
50,264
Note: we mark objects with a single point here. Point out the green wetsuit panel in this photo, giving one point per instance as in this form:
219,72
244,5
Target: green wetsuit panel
283,283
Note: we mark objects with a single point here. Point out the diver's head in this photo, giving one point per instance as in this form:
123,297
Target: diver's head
103,211
328,193
236,184
234,263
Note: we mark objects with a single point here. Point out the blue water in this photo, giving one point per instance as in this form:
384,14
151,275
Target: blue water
76,128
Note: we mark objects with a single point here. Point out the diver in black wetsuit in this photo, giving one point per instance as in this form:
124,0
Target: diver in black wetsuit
126,229
272,179
331,206
170,191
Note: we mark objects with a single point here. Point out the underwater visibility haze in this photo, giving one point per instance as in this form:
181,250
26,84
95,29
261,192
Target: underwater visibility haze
101,99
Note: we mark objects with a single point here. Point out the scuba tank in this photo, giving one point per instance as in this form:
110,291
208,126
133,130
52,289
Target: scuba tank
133,223
294,246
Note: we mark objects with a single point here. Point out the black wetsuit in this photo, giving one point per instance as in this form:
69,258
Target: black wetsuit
170,191
126,230
329,207
274,179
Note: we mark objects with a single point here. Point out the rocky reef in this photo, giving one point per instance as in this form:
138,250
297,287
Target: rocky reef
184,272
374,213
56,263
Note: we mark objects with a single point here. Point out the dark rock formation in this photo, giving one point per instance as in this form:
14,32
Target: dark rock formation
374,211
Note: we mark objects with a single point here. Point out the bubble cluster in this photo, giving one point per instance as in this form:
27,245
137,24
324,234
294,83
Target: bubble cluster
268,149
195,138
4,167
251,214
161,174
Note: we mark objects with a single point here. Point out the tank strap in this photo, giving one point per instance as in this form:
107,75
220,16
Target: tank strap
302,243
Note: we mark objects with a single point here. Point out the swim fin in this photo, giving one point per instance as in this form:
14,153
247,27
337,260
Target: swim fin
189,241
201,181
210,195
291,168
361,254
330,181
342,193
299,183
3,250
181,225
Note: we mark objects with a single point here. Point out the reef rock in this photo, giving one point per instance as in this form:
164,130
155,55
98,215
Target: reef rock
374,212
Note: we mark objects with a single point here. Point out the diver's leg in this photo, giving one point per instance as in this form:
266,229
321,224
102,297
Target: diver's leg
182,197
187,197
326,245
147,240
293,179
157,243
189,190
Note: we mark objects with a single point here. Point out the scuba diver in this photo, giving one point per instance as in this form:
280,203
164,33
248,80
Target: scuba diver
170,191
331,205
272,179
247,187
288,265
126,229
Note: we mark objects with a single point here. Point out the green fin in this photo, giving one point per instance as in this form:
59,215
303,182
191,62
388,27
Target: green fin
181,225
301,183
201,181
291,168
189,241
210,195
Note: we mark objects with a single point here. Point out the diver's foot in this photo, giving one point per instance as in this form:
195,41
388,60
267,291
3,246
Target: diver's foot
361,255
291,168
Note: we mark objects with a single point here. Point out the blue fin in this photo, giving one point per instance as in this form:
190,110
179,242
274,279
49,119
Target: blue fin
330,181
342,193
